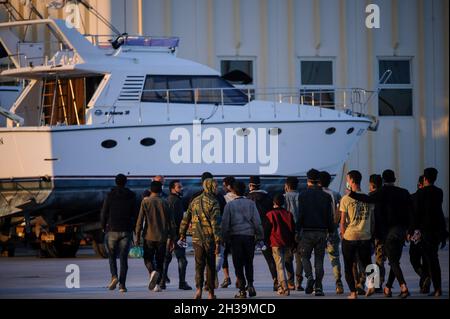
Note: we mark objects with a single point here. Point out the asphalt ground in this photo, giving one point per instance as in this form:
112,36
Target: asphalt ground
29,277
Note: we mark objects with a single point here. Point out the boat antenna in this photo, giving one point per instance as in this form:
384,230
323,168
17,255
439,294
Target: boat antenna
99,16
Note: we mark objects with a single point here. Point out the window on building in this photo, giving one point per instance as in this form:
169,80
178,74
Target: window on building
317,86
395,96
237,72
240,73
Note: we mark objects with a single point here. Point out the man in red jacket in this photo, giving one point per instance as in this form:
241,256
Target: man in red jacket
281,234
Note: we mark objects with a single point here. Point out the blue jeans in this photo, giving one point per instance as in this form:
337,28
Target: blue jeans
119,244
180,253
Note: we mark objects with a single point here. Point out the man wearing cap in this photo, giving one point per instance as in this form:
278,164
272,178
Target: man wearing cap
314,223
263,203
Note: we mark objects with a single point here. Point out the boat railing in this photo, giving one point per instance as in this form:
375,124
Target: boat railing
352,100
108,41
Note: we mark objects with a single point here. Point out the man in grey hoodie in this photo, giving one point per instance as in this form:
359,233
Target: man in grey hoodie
241,224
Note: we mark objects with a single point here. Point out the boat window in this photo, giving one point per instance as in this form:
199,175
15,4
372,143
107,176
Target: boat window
181,91
154,89
191,89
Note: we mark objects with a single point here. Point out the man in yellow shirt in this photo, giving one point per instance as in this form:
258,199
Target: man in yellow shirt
356,228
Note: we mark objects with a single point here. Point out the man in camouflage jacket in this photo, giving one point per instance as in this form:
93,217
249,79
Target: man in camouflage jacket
204,214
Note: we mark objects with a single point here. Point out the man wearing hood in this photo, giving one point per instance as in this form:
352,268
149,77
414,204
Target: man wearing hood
204,214
118,217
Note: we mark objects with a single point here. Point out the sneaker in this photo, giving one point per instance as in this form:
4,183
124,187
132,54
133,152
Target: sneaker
275,285
198,294
153,278
309,286
226,282
157,288
370,292
123,289
425,286
242,294
283,292
436,293
251,291
300,288
339,287
360,291
318,292
291,286
113,284
404,294
387,292
184,286
353,295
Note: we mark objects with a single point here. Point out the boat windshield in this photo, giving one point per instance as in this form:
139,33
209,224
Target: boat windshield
201,89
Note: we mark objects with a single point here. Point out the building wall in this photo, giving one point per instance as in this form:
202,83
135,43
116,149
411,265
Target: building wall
276,34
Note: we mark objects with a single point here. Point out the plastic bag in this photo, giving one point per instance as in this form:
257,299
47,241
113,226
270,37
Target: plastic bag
136,252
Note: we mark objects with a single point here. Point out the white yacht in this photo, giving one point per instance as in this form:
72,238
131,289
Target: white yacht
92,109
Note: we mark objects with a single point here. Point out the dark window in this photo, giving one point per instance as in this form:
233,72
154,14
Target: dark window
181,89
317,72
395,102
350,130
317,83
237,72
190,89
396,95
399,68
155,89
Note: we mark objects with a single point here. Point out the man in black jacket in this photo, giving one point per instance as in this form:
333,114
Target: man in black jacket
395,211
176,208
429,223
264,204
314,222
416,252
118,217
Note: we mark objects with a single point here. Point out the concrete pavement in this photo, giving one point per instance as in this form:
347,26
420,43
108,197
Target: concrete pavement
31,277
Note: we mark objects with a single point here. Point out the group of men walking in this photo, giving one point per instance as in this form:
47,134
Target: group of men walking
288,228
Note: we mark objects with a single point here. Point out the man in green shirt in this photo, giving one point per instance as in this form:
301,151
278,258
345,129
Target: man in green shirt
204,214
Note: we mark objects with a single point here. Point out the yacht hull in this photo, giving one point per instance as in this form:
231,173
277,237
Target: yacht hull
68,166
